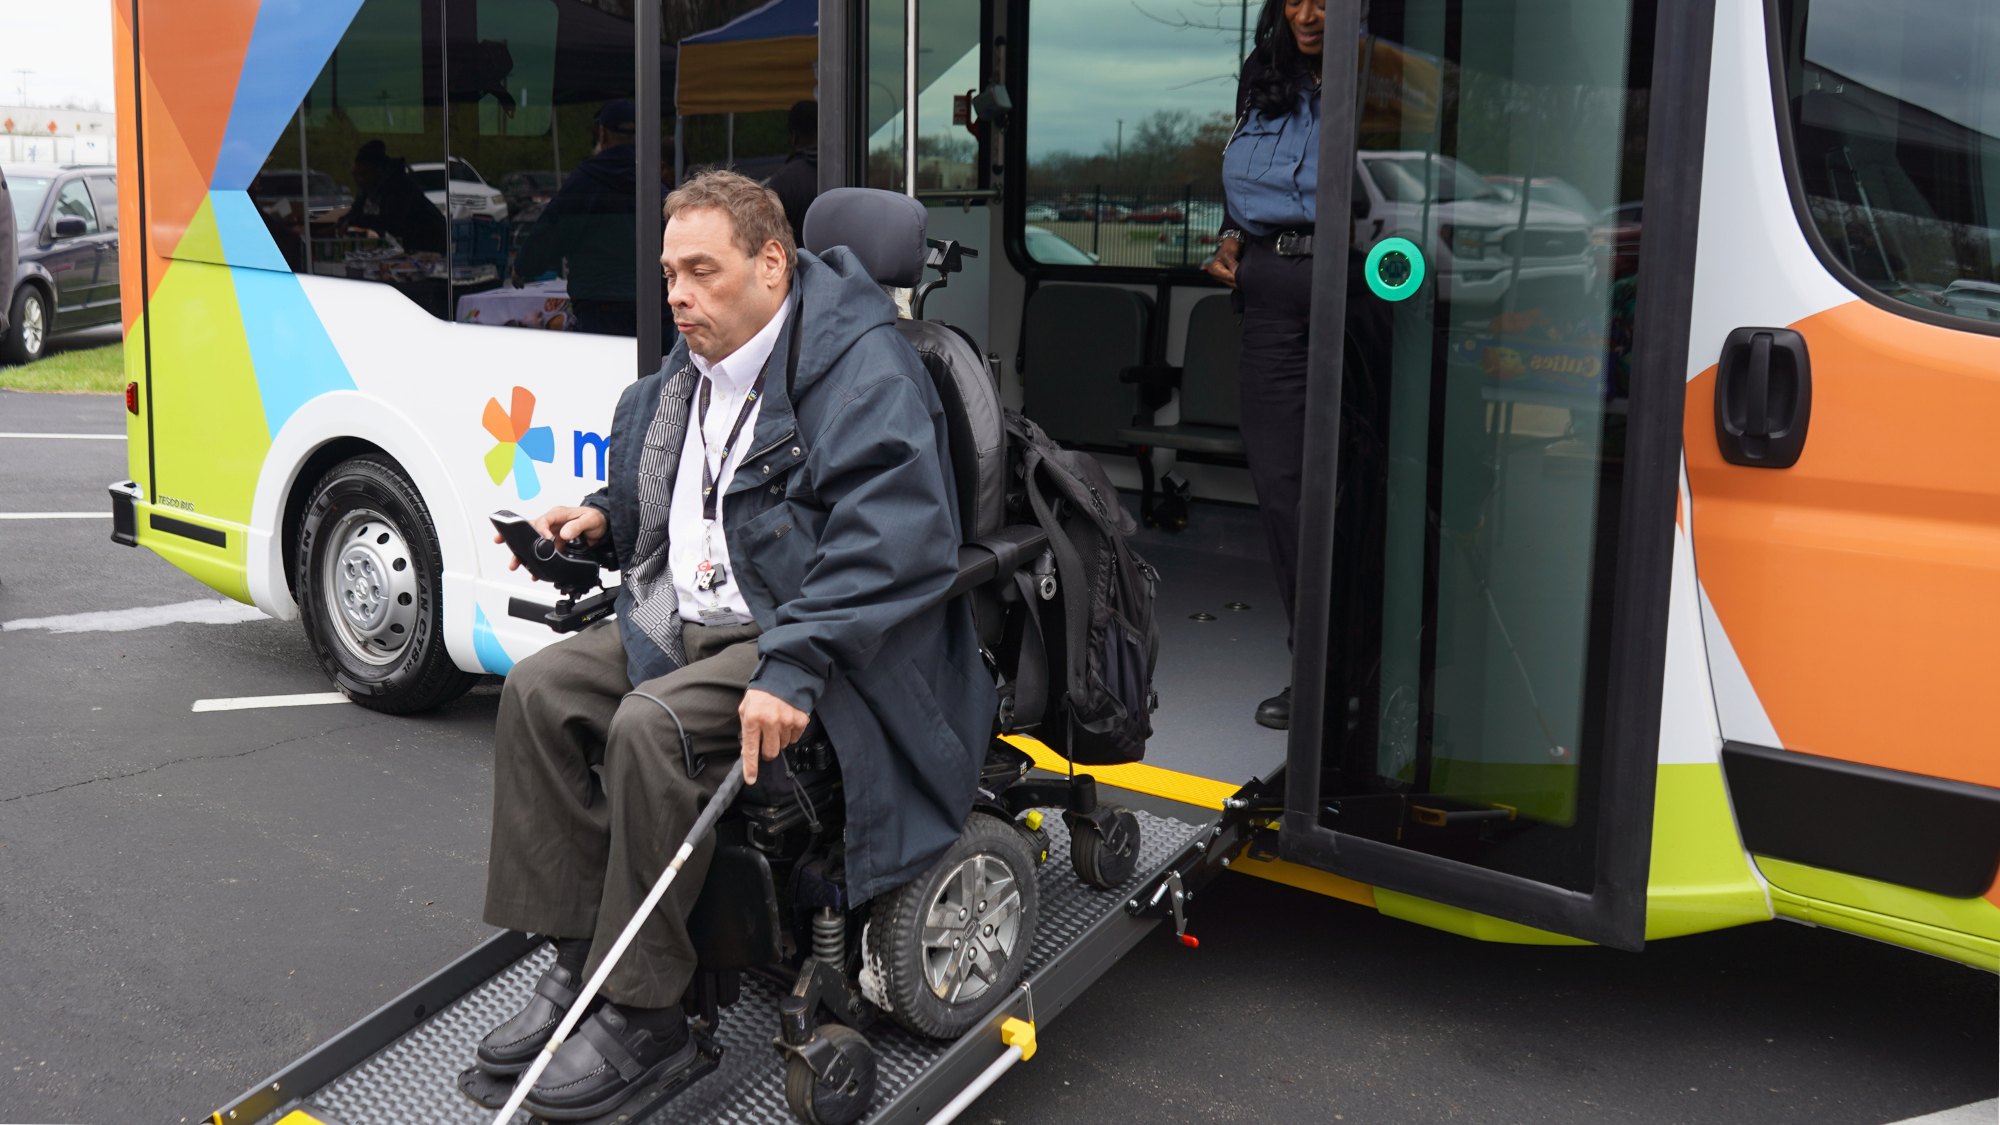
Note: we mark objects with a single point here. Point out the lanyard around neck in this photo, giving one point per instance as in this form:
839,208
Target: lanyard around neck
708,496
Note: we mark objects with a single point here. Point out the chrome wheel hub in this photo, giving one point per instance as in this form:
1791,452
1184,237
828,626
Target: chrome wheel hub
971,929
32,326
370,586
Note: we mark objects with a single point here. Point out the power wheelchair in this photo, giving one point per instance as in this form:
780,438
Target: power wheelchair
936,954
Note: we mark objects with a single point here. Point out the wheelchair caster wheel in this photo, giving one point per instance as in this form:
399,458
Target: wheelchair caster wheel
843,1096
1105,860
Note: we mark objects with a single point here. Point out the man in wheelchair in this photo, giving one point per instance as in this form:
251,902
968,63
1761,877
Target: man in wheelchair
781,505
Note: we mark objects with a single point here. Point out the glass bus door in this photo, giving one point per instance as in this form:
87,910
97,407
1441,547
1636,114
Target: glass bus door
1488,531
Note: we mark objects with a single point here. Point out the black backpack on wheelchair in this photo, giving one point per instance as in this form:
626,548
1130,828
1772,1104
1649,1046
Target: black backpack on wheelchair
775,901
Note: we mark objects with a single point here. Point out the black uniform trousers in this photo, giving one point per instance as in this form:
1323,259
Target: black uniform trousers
573,856
1277,317
1276,295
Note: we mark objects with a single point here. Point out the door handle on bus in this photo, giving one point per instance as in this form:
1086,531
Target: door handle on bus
1763,397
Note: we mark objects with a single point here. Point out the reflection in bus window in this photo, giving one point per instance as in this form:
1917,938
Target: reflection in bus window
1128,109
338,191
742,66
540,183
1895,113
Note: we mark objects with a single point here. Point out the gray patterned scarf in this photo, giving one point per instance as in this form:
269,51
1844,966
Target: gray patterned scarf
655,604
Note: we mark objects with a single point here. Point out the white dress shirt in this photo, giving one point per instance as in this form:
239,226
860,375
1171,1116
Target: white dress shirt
690,538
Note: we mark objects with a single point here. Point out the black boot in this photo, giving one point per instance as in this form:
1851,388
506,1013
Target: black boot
508,1049
613,1053
1276,712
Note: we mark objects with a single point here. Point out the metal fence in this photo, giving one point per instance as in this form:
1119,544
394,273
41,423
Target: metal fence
1125,228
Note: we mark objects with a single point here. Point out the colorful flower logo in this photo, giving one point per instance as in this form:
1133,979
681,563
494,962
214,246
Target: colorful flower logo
520,447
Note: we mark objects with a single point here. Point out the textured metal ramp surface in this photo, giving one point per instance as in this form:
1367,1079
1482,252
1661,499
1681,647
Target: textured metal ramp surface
414,1079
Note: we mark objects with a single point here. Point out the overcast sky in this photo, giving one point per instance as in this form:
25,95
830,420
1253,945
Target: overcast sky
1091,62
67,45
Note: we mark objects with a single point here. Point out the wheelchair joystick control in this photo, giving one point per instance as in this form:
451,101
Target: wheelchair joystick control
573,575
567,567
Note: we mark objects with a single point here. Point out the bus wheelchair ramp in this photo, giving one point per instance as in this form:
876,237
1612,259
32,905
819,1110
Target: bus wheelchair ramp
402,1064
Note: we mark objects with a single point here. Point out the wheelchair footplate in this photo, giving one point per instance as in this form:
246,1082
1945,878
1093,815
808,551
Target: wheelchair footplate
404,1063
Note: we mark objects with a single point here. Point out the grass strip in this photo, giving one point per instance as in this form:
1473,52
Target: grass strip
88,371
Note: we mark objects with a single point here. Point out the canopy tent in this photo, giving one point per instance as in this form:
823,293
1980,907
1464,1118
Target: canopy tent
765,58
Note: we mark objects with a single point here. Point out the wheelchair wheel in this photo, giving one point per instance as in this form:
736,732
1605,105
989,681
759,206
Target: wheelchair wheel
818,1103
1105,861
953,941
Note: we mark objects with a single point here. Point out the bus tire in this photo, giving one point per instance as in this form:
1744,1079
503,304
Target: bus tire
371,589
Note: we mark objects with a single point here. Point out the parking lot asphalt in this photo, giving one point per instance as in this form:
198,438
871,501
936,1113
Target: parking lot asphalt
192,900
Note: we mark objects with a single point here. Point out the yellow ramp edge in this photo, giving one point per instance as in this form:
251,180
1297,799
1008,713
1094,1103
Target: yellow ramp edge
1206,793
1137,776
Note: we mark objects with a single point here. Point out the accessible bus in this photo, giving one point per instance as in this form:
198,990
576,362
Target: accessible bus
1650,561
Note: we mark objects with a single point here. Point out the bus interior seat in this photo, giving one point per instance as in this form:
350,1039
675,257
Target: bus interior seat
1080,340
1210,401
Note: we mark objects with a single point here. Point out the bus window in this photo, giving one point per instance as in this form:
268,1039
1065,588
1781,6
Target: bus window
1895,116
1128,111
887,22
949,73
541,183
340,190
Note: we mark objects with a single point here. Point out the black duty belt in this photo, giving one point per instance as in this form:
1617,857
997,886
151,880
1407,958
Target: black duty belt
1288,243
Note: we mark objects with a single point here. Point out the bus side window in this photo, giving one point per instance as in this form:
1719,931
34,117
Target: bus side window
347,190
542,184
1895,120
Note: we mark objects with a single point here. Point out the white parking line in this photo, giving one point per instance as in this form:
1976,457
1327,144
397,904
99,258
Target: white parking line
207,612
68,437
1978,1113
55,515
249,702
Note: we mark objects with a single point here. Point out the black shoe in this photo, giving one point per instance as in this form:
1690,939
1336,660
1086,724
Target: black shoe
1276,712
605,1061
508,1049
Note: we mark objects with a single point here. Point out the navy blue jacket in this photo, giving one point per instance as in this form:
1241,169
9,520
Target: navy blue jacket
843,532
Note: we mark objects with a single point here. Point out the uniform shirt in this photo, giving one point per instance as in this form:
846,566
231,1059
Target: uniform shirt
1270,169
690,539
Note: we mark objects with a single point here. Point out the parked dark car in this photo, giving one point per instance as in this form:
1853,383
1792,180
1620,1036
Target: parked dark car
65,240
9,255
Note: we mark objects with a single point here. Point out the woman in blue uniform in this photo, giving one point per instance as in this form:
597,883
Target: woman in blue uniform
1270,172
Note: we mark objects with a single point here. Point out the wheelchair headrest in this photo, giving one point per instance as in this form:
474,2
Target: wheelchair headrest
882,228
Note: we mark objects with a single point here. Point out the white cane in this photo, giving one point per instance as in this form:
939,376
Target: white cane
725,794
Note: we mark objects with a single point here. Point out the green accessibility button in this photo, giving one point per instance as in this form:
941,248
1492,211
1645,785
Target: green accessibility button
1395,268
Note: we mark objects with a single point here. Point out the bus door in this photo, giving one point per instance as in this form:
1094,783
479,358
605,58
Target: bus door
1486,545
